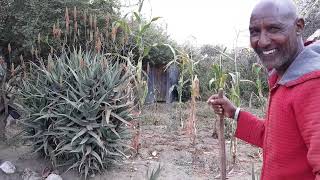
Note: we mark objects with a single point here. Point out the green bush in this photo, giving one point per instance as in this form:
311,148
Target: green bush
77,107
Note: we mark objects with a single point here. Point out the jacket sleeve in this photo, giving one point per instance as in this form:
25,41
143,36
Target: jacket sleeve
250,129
307,114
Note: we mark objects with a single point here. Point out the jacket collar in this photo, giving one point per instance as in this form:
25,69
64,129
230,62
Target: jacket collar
305,66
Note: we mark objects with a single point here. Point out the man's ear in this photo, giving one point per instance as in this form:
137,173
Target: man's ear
300,26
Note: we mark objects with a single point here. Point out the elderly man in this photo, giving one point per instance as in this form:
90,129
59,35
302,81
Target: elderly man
290,132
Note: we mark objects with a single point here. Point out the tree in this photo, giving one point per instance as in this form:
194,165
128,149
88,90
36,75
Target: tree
309,10
23,20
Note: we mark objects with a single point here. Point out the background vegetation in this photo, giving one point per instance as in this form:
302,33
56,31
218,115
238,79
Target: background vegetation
55,53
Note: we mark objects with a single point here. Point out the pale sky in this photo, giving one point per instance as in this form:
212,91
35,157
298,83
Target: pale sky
203,21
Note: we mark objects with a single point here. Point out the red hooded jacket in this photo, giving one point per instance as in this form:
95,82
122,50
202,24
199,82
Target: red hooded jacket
290,133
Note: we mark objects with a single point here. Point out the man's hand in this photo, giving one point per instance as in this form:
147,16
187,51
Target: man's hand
222,106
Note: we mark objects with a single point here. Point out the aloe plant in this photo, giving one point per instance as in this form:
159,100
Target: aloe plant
78,103
78,106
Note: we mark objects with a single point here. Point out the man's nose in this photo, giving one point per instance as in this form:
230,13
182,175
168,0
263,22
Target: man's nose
264,40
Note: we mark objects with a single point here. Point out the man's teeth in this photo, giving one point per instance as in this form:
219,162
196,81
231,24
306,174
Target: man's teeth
269,52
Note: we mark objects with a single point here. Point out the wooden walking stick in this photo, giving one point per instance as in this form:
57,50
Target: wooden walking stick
222,142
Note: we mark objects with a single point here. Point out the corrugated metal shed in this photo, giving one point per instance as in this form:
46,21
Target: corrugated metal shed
160,82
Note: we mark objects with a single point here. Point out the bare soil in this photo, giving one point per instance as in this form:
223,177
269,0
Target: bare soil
163,143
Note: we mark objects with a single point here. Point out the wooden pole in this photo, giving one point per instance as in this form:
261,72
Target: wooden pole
222,143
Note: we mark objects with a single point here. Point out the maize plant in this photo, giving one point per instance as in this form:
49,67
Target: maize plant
256,69
187,68
191,124
140,80
231,126
195,93
143,51
181,84
220,76
218,81
235,98
78,107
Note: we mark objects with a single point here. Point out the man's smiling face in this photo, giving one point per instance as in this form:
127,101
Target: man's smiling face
273,36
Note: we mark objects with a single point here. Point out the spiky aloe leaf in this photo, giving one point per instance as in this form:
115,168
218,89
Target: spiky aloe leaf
77,109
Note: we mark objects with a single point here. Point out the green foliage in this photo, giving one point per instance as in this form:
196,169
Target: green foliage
159,54
4,8
210,55
78,102
183,59
141,49
220,76
77,107
262,100
309,10
187,67
257,68
25,19
239,79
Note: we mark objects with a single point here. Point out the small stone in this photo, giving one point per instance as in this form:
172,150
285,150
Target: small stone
7,167
54,177
154,153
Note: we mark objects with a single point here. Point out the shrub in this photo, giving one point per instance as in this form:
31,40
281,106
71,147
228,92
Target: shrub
77,107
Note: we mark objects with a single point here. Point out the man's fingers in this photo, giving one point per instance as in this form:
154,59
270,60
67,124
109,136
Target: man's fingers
211,98
218,109
217,104
216,101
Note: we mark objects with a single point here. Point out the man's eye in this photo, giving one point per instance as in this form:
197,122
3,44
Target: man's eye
274,29
253,32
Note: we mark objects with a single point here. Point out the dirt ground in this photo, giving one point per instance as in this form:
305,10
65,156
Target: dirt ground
162,143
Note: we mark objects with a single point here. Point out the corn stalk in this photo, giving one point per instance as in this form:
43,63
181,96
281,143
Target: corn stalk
143,50
178,61
187,67
191,124
257,68
141,77
217,82
235,98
